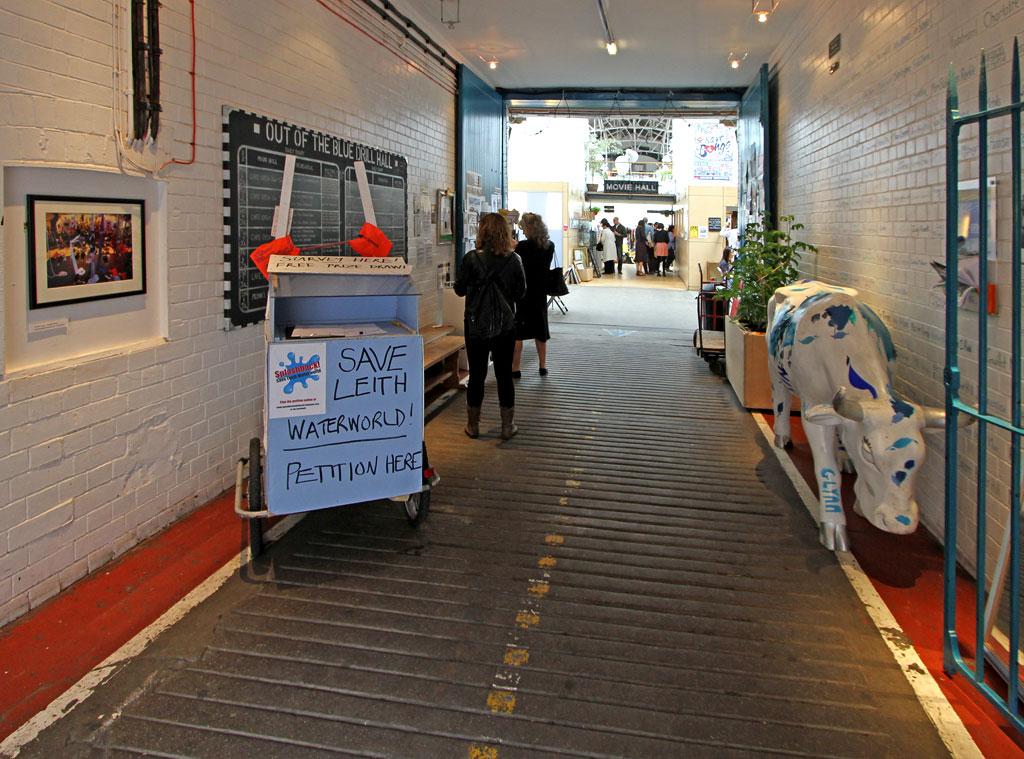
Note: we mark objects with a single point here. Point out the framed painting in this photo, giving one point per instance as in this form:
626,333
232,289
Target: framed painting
82,249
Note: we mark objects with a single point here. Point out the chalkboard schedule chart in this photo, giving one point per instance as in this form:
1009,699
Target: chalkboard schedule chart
325,203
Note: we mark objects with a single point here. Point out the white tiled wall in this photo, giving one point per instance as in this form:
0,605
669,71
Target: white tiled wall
155,432
862,157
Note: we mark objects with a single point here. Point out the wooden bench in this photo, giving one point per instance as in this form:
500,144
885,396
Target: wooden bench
441,358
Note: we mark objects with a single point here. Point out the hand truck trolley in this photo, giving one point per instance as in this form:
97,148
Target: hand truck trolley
343,393
709,337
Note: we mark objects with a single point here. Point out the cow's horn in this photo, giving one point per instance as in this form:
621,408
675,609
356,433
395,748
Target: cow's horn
846,408
935,418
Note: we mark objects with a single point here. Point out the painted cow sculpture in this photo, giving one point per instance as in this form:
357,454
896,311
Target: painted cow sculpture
835,354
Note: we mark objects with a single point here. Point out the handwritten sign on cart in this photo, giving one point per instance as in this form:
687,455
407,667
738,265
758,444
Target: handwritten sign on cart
337,265
366,440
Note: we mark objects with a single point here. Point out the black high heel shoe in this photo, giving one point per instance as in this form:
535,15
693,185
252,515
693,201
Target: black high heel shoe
543,372
516,375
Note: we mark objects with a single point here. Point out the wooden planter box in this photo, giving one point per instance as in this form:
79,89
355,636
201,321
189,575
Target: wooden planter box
746,366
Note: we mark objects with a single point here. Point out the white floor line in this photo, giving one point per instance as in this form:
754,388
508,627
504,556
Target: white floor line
102,672
951,728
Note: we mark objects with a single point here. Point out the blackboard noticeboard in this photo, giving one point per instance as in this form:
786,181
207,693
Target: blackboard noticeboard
325,198
714,224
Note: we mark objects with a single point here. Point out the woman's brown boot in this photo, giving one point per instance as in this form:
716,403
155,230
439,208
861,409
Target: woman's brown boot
508,427
473,426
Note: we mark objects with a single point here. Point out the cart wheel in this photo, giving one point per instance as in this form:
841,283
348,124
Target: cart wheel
255,495
717,367
416,507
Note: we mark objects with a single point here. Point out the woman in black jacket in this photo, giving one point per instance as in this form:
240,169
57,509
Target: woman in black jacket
492,280
536,252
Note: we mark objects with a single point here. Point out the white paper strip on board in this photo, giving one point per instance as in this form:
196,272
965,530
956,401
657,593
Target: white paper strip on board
282,218
364,193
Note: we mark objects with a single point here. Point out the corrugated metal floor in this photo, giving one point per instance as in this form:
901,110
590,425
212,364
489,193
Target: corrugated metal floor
631,576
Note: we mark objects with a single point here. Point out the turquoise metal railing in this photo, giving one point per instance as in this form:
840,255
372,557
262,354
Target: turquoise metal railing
986,602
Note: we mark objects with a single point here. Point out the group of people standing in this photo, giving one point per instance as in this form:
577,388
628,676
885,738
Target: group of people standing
506,303
653,246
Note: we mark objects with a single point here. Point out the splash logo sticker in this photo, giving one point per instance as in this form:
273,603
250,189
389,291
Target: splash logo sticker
297,385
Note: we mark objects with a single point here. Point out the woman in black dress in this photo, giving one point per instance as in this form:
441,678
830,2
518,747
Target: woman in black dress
536,251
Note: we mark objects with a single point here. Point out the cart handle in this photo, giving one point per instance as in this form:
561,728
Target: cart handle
239,476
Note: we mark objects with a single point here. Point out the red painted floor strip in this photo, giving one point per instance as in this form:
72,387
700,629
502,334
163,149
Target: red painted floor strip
56,644
906,570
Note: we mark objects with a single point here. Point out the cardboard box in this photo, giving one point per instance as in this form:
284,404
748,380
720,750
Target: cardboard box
586,273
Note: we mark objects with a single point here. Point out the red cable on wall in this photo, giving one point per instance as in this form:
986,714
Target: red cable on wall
192,4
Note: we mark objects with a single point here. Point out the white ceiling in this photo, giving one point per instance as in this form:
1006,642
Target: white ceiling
671,44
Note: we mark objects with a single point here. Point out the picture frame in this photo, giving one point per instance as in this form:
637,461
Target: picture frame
445,214
83,249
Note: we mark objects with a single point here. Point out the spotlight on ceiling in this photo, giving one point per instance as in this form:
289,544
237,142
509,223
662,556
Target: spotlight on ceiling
763,8
492,64
609,38
735,60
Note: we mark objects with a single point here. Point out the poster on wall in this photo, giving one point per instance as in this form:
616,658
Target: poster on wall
714,152
969,262
444,216
325,203
82,249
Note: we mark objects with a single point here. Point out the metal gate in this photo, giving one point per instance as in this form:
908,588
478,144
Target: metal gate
995,435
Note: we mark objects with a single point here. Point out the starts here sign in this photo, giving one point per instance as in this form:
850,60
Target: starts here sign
344,421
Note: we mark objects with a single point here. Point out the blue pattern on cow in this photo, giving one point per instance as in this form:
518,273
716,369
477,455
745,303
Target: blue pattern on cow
899,477
876,324
909,464
902,409
860,383
782,331
838,316
810,339
903,442
903,519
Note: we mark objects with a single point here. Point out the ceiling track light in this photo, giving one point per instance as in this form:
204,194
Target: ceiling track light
609,38
763,8
735,60
450,12
491,61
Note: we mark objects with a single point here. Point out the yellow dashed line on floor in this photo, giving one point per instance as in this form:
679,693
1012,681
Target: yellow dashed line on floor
501,702
502,697
527,619
516,657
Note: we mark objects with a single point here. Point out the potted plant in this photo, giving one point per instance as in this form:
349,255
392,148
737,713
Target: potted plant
766,261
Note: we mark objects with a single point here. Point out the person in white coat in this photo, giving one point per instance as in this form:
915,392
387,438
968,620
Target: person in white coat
606,243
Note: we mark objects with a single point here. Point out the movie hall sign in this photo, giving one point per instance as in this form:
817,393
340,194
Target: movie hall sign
631,187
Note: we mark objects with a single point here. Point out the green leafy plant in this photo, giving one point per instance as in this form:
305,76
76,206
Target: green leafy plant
598,152
766,261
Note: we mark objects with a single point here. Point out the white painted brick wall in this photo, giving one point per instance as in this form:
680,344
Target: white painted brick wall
99,455
862,164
